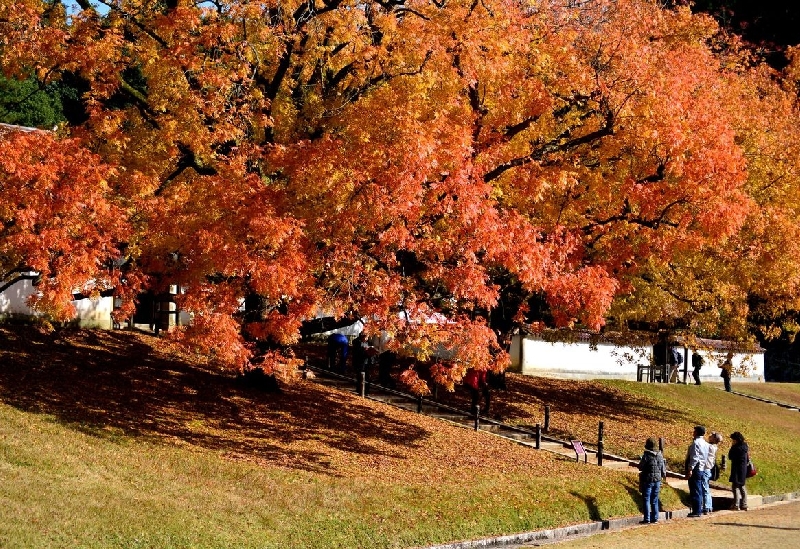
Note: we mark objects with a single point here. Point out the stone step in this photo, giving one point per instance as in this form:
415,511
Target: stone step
555,447
517,436
457,418
390,399
619,465
335,382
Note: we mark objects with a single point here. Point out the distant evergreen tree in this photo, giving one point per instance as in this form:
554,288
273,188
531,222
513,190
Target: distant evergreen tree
33,104
27,103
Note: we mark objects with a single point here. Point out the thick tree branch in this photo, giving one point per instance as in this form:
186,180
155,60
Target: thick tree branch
187,160
628,216
20,277
560,143
132,20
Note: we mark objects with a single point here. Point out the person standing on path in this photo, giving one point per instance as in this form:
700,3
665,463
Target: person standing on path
338,345
713,439
738,455
652,470
696,458
727,370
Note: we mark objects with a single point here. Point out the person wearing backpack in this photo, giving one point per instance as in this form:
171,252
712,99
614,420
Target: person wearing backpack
675,360
697,363
652,470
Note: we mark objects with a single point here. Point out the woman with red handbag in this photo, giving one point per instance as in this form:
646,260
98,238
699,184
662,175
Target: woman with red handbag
739,456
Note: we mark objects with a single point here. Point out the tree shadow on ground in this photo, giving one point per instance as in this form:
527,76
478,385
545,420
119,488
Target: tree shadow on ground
576,397
754,526
591,505
525,399
112,382
636,496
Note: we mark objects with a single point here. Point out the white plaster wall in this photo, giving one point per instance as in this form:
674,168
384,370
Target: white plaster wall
13,300
94,313
579,360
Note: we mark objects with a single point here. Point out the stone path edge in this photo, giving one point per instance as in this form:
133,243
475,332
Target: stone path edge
581,530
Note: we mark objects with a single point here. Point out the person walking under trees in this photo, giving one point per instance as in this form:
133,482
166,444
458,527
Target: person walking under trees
738,455
696,458
652,470
697,363
338,345
726,371
478,384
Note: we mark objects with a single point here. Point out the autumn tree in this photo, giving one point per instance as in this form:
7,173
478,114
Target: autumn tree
745,285
397,161
68,234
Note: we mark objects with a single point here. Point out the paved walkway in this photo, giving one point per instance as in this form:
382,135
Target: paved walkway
775,525
765,400
742,528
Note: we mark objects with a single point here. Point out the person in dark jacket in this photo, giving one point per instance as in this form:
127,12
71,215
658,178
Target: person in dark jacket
338,345
386,360
363,359
726,370
697,363
738,456
652,470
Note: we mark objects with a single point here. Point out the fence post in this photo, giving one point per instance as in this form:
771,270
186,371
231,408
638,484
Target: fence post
419,404
661,445
362,383
600,444
546,418
538,437
477,417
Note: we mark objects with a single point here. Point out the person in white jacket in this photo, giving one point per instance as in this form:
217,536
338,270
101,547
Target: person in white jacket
713,440
696,458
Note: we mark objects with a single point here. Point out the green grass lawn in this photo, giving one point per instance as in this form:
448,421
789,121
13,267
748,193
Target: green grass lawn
118,440
67,485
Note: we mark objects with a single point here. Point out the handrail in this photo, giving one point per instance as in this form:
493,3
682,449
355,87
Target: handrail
469,415
438,405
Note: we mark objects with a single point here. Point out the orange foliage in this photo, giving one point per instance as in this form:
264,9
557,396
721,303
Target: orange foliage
398,162
58,217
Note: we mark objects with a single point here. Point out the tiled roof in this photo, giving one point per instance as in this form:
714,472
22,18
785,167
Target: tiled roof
8,128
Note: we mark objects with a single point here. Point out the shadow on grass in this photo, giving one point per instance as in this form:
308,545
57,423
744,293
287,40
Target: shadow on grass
104,383
636,496
576,397
591,505
755,526
525,399
684,497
